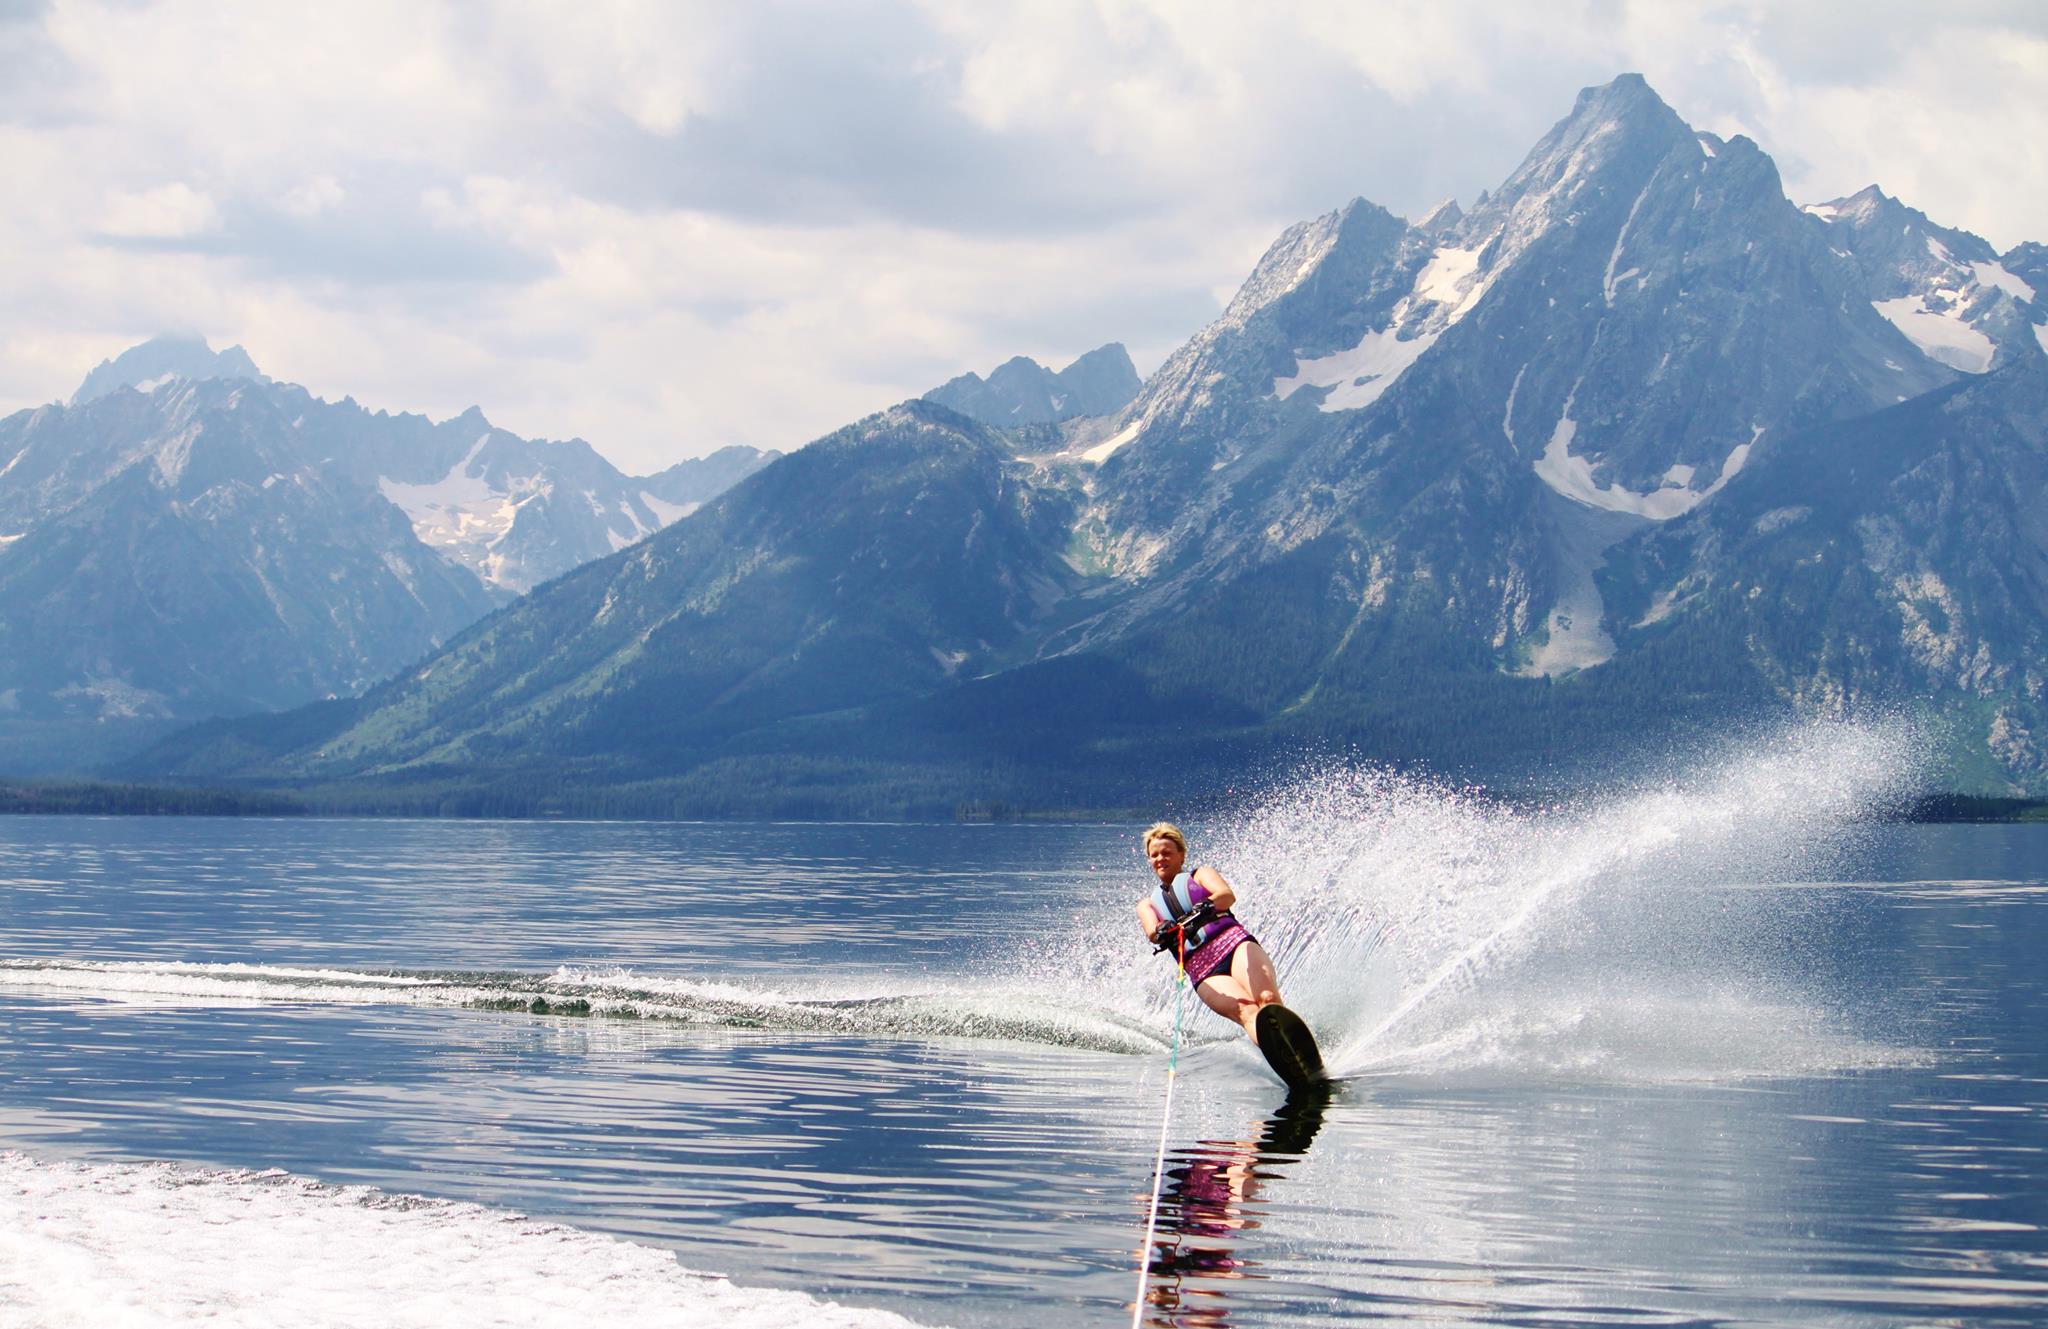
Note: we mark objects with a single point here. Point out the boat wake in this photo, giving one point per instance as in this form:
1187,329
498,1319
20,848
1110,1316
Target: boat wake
964,1012
96,1244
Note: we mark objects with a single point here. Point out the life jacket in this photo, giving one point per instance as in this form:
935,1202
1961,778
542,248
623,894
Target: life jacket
1176,900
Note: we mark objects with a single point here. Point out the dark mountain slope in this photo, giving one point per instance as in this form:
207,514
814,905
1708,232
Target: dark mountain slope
1899,556
879,562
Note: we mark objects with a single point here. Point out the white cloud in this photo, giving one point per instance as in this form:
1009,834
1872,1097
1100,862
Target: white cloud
669,226
168,212
313,197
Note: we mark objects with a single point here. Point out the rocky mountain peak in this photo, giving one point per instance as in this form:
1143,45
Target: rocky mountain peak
1613,122
1947,290
152,363
1445,216
1020,391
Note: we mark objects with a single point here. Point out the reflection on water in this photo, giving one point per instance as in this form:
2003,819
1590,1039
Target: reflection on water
1213,1197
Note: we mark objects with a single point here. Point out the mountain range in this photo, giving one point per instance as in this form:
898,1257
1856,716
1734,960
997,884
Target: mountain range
1632,451
187,538
1020,391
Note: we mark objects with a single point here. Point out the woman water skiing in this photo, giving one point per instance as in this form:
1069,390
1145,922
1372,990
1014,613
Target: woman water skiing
1189,916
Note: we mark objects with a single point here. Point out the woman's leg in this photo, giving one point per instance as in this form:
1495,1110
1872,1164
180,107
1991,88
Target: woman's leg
1249,984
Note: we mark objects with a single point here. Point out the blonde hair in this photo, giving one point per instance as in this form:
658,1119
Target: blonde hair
1164,830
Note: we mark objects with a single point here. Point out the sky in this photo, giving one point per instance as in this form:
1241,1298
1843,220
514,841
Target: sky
666,226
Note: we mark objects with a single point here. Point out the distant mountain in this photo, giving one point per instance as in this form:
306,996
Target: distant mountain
1631,449
688,485
1441,429
1023,392
517,511
219,544
157,361
1947,290
878,562
187,554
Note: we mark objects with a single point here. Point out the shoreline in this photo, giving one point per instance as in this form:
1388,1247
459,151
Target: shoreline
95,798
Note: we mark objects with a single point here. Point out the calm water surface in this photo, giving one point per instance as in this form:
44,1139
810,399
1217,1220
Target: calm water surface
1696,1078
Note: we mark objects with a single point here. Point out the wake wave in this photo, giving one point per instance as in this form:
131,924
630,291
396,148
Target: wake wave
1634,935
612,993
96,1244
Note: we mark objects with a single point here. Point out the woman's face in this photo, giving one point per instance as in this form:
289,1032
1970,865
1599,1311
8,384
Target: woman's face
1165,857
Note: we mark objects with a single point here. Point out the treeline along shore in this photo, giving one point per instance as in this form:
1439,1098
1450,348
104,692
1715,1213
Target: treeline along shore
92,798
98,798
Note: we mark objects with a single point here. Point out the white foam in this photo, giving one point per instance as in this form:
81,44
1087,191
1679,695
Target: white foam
107,1246
161,983
932,1012
1421,929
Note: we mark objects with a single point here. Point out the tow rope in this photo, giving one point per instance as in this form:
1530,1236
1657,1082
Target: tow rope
1165,1120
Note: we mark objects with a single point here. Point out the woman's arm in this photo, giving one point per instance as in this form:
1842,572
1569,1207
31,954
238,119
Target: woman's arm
1220,894
1148,920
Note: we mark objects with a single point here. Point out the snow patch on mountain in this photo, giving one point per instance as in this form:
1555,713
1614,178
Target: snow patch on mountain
460,514
1100,453
1942,336
1358,376
667,513
1575,634
1621,240
1994,274
1445,290
1946,290
1572,478
1450,278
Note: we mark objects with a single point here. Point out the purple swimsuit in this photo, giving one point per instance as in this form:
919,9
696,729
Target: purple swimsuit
1221,936
1213,955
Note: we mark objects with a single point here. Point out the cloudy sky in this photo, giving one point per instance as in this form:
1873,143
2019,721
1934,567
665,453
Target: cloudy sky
666,226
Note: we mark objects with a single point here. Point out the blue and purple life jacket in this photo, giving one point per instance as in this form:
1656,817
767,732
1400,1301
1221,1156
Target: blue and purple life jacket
1176,901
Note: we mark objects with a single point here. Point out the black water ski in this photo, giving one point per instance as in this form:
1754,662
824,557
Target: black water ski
1289,1047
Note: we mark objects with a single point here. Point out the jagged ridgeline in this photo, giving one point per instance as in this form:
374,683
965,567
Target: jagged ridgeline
1632,450
187,538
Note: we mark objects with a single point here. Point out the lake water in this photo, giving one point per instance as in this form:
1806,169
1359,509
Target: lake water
1719,1050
